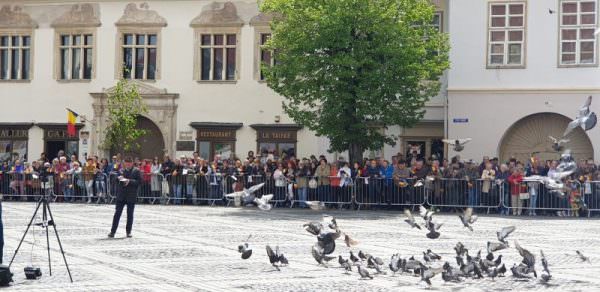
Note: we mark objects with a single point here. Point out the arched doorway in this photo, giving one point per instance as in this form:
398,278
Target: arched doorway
530,136
151,144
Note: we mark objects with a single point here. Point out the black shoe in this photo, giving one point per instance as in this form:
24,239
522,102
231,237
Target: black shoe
129,235
111,235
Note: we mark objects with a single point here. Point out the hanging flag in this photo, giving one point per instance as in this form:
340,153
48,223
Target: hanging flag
71,120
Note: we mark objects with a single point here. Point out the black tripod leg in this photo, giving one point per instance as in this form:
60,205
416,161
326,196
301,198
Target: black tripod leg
45,219
47,206
25,233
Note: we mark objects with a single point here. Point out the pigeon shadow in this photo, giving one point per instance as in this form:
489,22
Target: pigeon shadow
111,239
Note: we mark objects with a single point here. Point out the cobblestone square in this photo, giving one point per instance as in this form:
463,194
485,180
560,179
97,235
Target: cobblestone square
188,248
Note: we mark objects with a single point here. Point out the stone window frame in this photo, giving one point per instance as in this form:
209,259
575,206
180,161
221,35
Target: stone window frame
198,32
578,27
57,47
21,32
506,29
260,30
121,31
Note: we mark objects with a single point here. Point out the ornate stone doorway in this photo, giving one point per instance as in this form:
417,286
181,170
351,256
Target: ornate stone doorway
161,119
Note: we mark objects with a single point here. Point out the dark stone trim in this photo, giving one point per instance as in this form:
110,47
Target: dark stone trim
209,125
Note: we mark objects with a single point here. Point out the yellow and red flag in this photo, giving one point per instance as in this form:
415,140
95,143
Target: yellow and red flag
71,120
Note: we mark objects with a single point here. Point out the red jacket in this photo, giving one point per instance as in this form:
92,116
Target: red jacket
515,184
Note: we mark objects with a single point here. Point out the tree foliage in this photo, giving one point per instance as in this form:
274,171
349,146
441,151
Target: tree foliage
124,105
350,68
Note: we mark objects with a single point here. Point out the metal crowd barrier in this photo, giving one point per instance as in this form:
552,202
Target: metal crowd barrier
331,190
534,197
389,191
461,193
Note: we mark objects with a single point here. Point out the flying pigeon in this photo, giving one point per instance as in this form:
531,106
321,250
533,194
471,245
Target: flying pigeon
247,195
276,258
349,241
467,218
528,258
411,219
425,213
315,205
586,119
313,228
504,233
557,143
327,241
459,144
263,202
551,11
245,249
433,229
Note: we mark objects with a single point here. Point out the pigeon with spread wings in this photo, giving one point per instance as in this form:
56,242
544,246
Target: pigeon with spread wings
586,119
459,144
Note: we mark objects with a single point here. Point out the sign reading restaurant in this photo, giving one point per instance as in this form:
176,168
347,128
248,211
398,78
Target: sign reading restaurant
203,133
14,133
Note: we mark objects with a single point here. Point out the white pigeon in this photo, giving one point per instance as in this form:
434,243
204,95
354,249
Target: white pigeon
597,32
586,119
459,144
263,202
315,205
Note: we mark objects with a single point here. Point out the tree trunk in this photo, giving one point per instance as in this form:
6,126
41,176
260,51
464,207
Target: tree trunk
356,153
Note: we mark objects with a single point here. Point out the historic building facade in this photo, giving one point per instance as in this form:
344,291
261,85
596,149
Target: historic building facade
520,72
196,64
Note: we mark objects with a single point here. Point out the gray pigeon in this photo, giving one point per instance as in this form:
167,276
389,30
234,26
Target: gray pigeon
544,262
460,249
317,253
364,273
528,258
496,246
411,219
467,218
586,119
557,143
519,272
276,258
432,255
353,258
394,264
504,233
245,250
313,228
427,274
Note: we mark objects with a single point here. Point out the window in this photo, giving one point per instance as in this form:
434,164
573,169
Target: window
437,21
218,57
577,38
276,150
506,35
15,57
139,51
266,56
76,56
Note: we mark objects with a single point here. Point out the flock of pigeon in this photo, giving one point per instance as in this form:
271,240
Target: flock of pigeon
478,266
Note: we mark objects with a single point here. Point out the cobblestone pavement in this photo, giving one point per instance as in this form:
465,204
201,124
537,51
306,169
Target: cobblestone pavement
187,248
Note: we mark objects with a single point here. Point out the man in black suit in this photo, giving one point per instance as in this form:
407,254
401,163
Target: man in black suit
129,182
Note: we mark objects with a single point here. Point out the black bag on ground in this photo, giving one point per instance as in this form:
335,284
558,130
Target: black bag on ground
5,276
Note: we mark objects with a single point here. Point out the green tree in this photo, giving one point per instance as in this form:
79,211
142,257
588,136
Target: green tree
124,105
350,68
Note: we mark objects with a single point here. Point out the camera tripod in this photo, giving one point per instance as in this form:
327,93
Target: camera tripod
43,202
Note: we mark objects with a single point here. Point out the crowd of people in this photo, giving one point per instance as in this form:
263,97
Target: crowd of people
377,183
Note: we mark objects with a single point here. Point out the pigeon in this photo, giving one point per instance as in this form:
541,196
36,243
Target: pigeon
364,273
556,143
544,262
496,246
315,205
467,218
498,260
263,202
586,119
427,275
327,241
528,258
489,256
276,258
411,219
502,270
459,144
518,273
597,32
317,253
372,262
245,249
313,228
460,249
361,255
426,257
394,264
582,257
551,11
344,263
450,277
504,233
433,230
353,258
247,195
545,278
333,223
493,273
425,213
433,255
349,241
